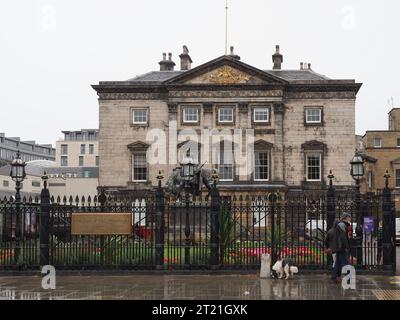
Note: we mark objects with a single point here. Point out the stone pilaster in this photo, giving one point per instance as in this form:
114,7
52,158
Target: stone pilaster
278,151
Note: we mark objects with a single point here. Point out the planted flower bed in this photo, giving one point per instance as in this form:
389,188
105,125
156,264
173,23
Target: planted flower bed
243,253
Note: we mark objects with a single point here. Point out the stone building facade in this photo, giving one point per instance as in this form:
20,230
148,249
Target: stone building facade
303,125
381,151
78,148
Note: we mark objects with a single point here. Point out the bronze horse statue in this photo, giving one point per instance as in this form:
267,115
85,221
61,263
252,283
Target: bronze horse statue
176,183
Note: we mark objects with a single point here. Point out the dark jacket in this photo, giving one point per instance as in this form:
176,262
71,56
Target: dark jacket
342,237
330,240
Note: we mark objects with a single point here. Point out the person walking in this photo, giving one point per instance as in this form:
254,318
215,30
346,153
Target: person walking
330,242
341,245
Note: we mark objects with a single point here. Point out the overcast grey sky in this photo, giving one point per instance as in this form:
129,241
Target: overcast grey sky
52,51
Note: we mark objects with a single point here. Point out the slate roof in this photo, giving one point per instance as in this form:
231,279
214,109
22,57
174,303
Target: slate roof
288,75
298,75
156,76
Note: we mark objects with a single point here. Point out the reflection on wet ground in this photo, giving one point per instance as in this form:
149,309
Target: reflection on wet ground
199,287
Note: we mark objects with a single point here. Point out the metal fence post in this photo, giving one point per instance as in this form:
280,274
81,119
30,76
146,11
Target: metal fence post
102,201
159,224
214,238
272,201
44,222
388,226
330,209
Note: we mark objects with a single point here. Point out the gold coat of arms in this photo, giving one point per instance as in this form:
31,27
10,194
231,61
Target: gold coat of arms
228,75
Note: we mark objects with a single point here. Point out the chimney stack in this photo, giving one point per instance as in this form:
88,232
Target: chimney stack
277,59
233,55
167,65
186,61
305,66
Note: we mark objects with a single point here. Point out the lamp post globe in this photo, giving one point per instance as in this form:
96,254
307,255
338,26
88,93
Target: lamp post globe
17,173
357,172
357,167
187,169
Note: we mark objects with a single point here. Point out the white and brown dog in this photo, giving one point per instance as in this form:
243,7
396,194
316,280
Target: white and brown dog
284,268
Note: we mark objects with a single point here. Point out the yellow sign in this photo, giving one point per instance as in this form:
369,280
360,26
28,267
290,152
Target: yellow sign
101,223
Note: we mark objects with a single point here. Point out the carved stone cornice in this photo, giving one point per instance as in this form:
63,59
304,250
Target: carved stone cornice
314,145
130,96
321,95
225,93
138,146
262,144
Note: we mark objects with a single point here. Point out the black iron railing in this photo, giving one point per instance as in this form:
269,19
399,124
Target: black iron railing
197,233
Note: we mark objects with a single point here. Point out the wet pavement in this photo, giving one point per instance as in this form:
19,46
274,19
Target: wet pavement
198,287
134,286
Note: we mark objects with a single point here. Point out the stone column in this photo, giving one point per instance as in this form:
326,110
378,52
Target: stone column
278,157
172,135
208,123
243,123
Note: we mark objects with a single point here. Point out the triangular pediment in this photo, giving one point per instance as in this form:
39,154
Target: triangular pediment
138,146
226,71
395,161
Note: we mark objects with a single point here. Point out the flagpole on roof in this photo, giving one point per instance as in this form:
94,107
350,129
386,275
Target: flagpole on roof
226,27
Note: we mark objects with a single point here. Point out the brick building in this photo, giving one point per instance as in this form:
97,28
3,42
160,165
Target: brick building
303,122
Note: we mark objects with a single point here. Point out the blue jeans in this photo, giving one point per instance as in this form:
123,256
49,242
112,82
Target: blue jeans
342,259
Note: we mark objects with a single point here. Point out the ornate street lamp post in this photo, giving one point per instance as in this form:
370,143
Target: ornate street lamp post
357,172
187,175
18,175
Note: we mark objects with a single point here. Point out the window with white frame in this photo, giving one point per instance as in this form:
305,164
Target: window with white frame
190,114
313,162
313,115
139,167
225,167
261,115
261,165
64,161
377,143
140,116
369,179
225,114
64,149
